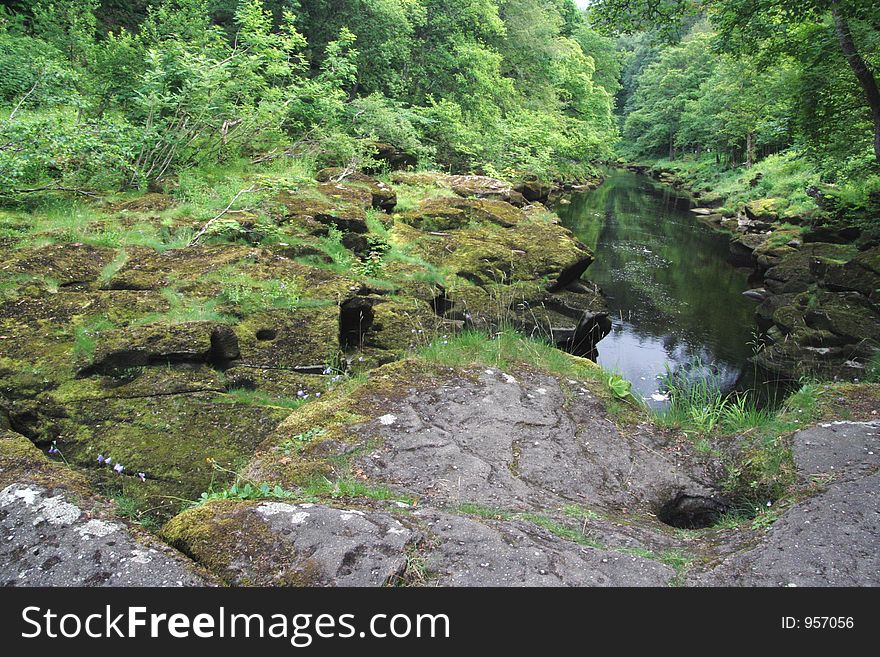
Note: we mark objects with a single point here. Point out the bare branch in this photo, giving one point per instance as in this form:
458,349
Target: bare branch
204,228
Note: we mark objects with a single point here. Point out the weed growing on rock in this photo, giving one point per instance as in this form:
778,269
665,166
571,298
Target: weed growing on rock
247,491
182,308
247,295
258,398
85,335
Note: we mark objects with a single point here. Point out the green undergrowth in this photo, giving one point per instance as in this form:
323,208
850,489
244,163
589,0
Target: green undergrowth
258,398
784,177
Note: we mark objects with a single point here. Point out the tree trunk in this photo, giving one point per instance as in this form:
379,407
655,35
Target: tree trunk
750,150
864,75
671,148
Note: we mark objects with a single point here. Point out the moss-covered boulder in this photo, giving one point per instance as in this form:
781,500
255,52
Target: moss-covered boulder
441,214
797,271
820,333
64,264
861,274
160,343
304,339
276,543
58,532
764,210
275,382
187,269
177,440
533,189
331,204
382,195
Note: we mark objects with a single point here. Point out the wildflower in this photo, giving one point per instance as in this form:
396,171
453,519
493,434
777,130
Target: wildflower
142,476
300,393
361,358
317,394
118,468
107,460
54,448
328,370
100,458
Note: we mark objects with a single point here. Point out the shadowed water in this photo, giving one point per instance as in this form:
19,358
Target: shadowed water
673,295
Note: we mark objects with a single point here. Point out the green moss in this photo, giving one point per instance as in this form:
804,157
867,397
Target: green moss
219,533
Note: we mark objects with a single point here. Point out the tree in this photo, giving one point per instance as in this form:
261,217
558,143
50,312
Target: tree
768,27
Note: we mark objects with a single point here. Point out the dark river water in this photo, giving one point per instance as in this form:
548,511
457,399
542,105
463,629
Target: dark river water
673,295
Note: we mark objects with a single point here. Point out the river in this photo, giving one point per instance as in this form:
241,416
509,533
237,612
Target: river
674,297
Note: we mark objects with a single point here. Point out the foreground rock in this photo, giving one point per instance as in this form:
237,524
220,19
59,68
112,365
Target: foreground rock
54,532
276,543
830,539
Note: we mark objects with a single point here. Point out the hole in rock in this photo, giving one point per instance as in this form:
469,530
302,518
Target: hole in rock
691,511
266,334
442,304
355,319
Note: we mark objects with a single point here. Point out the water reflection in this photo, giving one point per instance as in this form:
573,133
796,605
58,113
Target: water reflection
673,295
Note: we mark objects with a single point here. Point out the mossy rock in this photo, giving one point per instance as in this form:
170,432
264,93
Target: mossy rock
160,343
274,382
533,189
341,206
203,271
147,269
484,187
441,214
844,317
228,539
797,271
174,439
306,338
382,195
37,334
534,251
277,543
400,325
765,209
21,461
861,274
66,264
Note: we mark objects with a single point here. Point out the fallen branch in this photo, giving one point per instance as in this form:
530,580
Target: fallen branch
71,190
205,228
21,102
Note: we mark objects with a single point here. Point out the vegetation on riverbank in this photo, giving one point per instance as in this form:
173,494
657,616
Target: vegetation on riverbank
106,95
748,101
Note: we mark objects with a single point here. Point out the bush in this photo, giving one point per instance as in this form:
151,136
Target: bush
51,148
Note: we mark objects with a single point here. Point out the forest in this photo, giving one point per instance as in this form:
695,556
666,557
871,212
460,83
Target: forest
113,95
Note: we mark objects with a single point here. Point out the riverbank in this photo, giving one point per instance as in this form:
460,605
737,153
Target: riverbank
818,263
184,379
216,308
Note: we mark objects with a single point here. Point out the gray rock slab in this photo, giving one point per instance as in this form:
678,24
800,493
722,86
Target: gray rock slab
47,539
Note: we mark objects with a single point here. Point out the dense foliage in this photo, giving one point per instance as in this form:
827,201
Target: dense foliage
739,80
111,94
